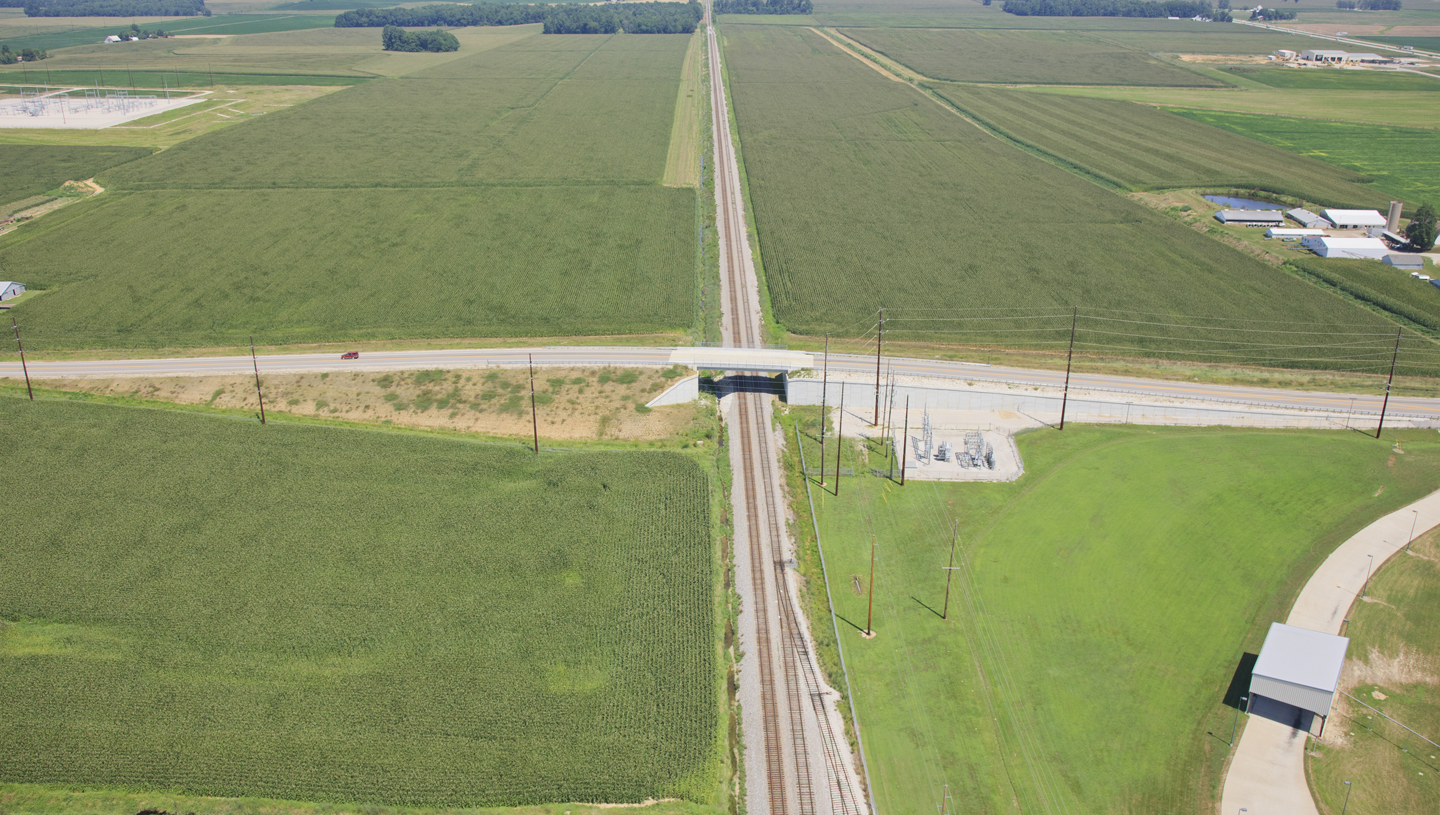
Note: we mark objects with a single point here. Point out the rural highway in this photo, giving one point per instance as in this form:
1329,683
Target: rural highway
42,368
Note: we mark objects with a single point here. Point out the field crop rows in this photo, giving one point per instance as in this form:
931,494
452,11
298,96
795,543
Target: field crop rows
1138,147
224,608
1337,80
516,191
1092,633
868,194
1045,57
30,169
1403,161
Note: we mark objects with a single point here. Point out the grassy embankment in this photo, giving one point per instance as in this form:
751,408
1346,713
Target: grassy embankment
1394,667
571,132
323,614
1091,633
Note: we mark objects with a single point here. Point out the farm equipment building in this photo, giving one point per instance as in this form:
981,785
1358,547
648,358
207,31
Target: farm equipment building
1354,218
1323,55
1409,263
1251,217
1299,667
1365,248
9,289
1281,232
1307,219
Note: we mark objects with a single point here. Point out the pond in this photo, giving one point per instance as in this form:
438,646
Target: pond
1241,203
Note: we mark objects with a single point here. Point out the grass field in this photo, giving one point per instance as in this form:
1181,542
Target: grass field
350,616
1394,667
1404,162
229,25
1138,147
1046,57
1232,39
32,169
1400,108
1337,79
868,194
682,163
516,191
1092,633
1423,43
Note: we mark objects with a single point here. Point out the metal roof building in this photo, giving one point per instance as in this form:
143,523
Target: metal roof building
1306,218
1323,55
1281,232
9,289
1251,217
1363,248
1299,667
1410,263
1354,218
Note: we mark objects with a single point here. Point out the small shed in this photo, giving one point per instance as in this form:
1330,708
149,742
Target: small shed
1354,218
1408,263
1364,248
10,289
1251,217
1281,232
1307,219
1299,667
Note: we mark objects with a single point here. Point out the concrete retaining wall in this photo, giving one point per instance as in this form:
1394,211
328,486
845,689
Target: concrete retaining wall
684,390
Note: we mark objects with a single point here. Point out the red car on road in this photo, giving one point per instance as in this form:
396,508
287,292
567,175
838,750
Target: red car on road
350,355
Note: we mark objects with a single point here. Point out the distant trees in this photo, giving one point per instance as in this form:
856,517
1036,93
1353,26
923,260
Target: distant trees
8,57
395,38
1108,8
1421,231
1272,14
1369,5
633,18
766,6
142,33
116,8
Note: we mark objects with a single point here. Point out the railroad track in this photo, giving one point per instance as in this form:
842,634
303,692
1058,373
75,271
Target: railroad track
807,764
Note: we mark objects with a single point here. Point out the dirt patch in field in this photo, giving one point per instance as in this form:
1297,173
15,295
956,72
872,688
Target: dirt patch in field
1331,29
1224,59
571,403
1404,668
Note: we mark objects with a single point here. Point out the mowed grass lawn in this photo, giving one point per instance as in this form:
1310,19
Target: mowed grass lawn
1403,161
1104,603
514,192
1046,57
868,194
1138,147
210,606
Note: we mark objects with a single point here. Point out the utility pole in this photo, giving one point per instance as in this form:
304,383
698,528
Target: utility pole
23,366
905,441
879,341
950,570
1235,725
534,420
256,363
1065,397
1388,382
1412,530
870,614
824,389
839,438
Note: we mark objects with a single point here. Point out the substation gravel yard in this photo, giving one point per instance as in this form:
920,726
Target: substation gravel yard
571,403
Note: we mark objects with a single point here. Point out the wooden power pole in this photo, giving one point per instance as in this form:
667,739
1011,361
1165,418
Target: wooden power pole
258,393
23,366
879,341
1065,396
534,420
870,613
950,570
824,389
839,438
905,441
1388,383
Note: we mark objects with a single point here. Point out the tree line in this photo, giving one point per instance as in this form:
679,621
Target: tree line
8,57
765,6
115,8
1113,8
395,38
633,18
1369,5
1272,14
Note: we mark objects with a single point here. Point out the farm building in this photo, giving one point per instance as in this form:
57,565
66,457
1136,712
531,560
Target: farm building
1307,219
1322,55
9,289
1354,218
1408,263
1281,232
112,38
1365,248
1285,53
1250,217
1299,667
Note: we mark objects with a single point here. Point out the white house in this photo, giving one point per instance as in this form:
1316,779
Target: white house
1251,217
1354,218
9,289
1365,248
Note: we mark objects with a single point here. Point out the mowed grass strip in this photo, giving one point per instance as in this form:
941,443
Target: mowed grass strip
310,265
1403,161
1139,147
30,169
223,608
587,109
682,163
869,194
1105,601
1045,57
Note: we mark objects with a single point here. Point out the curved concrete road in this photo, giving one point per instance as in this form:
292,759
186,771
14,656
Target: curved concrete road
1267,773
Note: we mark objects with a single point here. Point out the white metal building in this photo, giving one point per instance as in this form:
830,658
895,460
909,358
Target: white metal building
1354,218
1307,219
1323,55
1281,232
1299,667
1251,217
1409,263
1366,248
9,289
